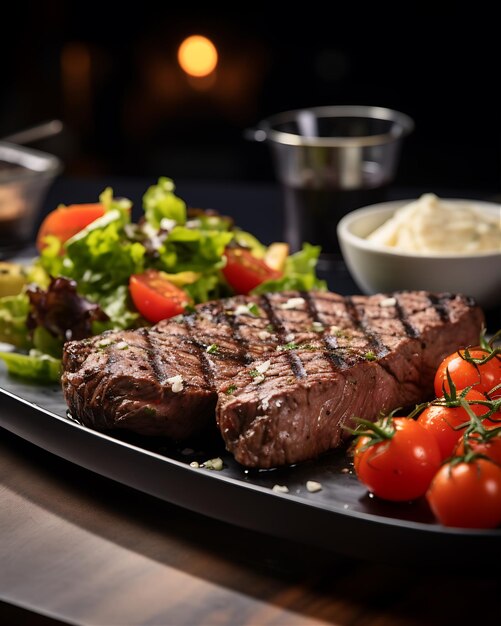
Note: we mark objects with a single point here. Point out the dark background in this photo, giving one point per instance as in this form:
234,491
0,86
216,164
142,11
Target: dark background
110,73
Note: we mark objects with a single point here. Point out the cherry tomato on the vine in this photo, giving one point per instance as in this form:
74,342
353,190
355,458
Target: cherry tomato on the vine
467,494
489,447
483,377
443,422
401,465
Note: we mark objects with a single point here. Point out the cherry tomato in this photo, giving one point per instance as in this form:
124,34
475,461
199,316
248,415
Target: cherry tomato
155,297
67,221
490,447
244,272
464,374
400,468
467,495
443,421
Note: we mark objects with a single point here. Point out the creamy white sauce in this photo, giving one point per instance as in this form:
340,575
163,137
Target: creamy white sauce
432,225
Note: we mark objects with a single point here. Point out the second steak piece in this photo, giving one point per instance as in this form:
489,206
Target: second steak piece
357,356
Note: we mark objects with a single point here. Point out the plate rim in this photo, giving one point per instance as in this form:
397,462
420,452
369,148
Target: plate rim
220,482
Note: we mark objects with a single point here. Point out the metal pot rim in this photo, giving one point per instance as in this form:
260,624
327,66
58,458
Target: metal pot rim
403,125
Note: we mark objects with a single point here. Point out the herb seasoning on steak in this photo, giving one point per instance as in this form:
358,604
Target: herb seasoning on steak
282,372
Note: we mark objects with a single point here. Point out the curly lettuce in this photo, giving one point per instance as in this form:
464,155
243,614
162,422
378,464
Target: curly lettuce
82,285
299,273
161,203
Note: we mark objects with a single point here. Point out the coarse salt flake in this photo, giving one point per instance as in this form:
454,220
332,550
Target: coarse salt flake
280,489
288,338
317,327
388,302
313,486
176,383
122,345
292,303
213,464
105,342
242,309
263,367
258,379
263,334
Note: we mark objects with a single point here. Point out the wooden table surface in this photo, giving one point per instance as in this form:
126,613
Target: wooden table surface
77,548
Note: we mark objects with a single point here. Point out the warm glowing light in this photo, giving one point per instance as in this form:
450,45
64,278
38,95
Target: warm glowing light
197,56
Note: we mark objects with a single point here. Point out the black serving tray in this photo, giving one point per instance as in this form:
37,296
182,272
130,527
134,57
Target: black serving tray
341,517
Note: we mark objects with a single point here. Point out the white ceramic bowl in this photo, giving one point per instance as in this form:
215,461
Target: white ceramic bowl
377,268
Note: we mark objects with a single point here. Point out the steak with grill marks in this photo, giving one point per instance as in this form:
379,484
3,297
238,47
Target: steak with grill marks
283,372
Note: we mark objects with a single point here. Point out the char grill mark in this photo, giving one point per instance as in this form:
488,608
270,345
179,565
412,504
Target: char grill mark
440,304
243,354
295,362
410,330
374,341
335,358
157,368
205,365
216,316
110,362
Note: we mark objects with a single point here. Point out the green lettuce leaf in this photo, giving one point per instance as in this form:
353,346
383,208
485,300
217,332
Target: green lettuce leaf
246,240
299,273
50,260
35,366
186,249
110,203
207,220
100,258
207,287
117,307
160,202
46,343
13,316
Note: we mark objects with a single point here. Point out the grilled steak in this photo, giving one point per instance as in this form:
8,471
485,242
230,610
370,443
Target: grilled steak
283,372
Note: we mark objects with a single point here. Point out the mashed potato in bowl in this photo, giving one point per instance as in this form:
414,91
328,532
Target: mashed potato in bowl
431,225
447,258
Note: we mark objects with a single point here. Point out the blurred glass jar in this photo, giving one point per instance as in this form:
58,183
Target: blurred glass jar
25,178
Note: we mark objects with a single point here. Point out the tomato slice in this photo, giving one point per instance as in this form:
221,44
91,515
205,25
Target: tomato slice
155,297
67,221
243,271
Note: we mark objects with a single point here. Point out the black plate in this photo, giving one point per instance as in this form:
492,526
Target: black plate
341,517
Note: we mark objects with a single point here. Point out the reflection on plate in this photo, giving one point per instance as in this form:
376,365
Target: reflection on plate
341,517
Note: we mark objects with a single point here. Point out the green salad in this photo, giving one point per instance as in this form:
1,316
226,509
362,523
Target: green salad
113,273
